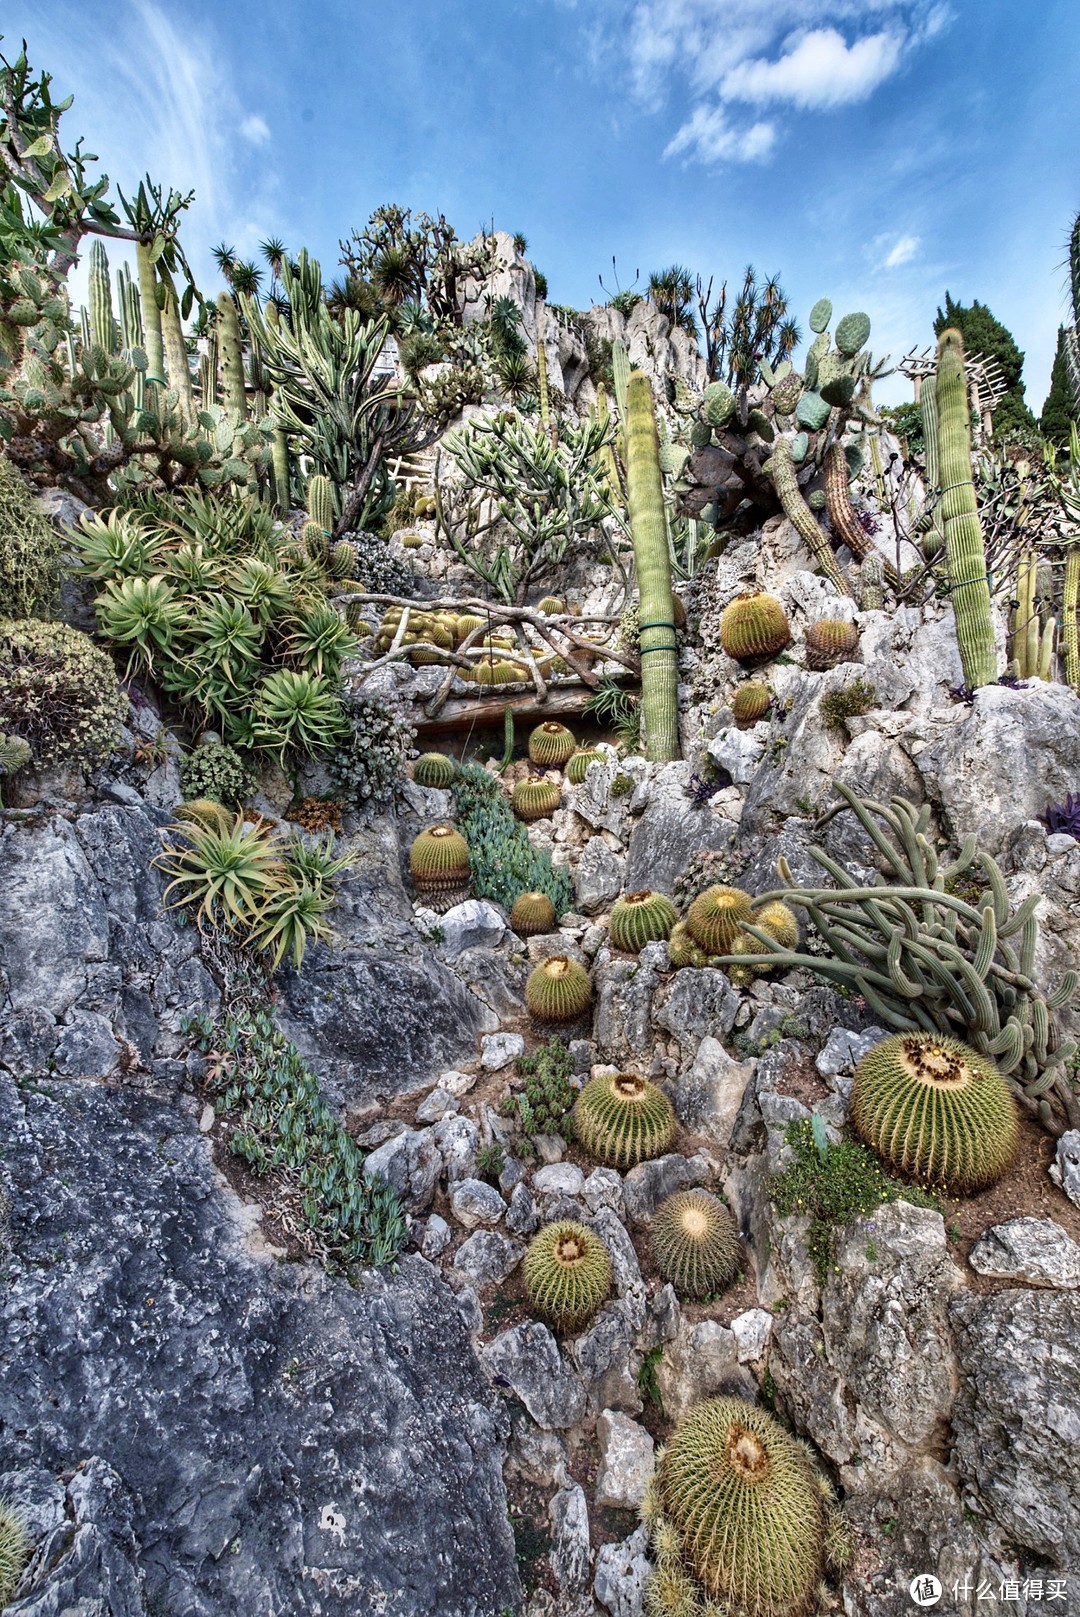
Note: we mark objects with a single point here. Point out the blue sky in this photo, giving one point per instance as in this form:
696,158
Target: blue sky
877,151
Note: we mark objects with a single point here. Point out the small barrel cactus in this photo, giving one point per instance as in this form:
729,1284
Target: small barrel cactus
641,918
535,799
314,540
750,1514
567,1273
14,1552
551,744
695,1243
743,975
621,1120
682,950
780,922
558,990
934,1108
750,703
465,624
501,671
716,917
551,606
754,626
532,913
830,641
577,766
439,860
434,769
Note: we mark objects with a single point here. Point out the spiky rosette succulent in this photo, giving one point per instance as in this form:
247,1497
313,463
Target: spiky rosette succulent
934,1108
830,641
641,918
551,744
439,859
534,799
695,1243
716,917
434,769
558,990
753,626
567,1274
621,1120
205,812
532,913
682,950
780,922
749,1510
578,764
750,703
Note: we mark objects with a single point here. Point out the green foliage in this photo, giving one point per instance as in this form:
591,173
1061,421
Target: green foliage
834,1186
14,1551
983,334
648,1381
217,771
567,1272
546,1104
695,1243
622,1120
933,1107
748,1512
856,697
1060,409
58,692
610,705
29,549
280,1125
490,1161
504,862
906,421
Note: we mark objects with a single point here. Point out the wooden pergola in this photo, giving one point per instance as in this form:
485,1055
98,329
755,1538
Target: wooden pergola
986,384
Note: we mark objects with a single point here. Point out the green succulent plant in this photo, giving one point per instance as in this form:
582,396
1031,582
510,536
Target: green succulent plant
535,799
58,693
621,1120
750,703
830,641
567,1273
29,549
852,333
215,770
532,913
551,744
297,710
682,950
695,1243
641,918
439,860
780,922
716,917
749,1512
434,769
577,766
754,626
558,990
933,1107
717,404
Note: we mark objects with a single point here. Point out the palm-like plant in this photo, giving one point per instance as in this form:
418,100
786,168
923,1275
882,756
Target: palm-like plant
671,290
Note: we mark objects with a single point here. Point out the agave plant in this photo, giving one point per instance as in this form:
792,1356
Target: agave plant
289,920
297,709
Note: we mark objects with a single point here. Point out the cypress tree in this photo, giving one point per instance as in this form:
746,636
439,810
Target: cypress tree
984,334
1060,407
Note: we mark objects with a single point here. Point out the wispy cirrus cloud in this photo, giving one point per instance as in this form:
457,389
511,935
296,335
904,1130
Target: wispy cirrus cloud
902,251
794,55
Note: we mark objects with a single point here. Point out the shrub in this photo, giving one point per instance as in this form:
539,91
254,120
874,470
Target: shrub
504,862
281,1125
833,1184
856,697
59,693
29,549
217,771
368,767
546,1104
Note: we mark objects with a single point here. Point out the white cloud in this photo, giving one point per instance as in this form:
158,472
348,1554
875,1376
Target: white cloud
256,129
818,69
902,251
724,55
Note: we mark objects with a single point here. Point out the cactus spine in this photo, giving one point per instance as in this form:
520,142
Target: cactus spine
659,654
960,518
802,518
102,324
1070,609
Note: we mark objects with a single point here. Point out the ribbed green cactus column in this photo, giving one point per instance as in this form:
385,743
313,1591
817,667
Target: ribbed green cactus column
802,519
102,324
933,540
542,396
231,355
151,315
645,498
960,518
176,356
1070,617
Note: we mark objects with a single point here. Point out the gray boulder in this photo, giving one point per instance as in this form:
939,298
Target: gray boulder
1035,1250
671,829
527,1358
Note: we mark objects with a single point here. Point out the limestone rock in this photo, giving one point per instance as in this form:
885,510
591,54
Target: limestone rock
476,924
650,1183
751,1331
622,1571
410,1162
627,1459
1035,1250
474,1202
571,1553
527,1357
602,1354
708,1097
487,1257
498,1050
696,1004
701,1362
671,829
558,1179
1016,1417
623,991
439,1103
1065,1168
599,877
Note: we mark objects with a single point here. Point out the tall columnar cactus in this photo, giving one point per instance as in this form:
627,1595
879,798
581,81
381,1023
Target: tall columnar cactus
151,315
802,518
658,649
1031,635
842,512
871,584
102,324
933,540
176,358
230,354
320,502
542,395
1072,333
960,518
1070,617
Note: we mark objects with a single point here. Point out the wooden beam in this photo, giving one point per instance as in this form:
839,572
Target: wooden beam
462,714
